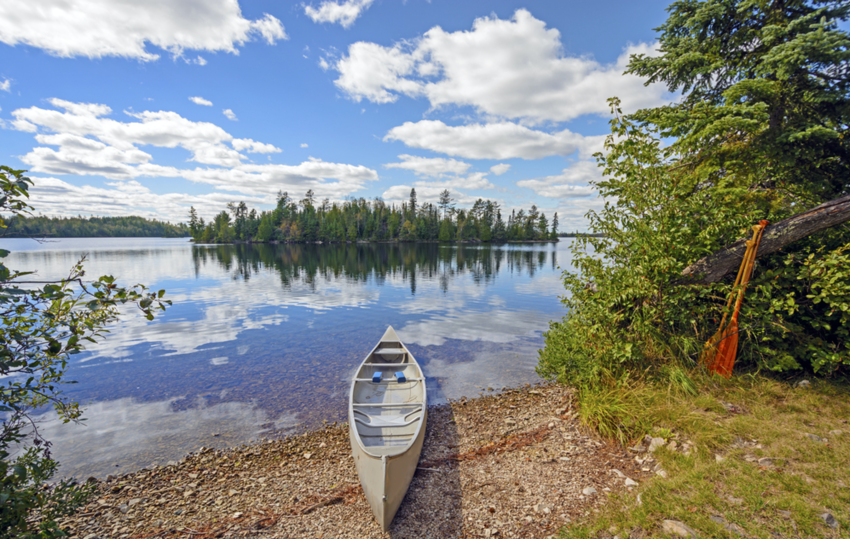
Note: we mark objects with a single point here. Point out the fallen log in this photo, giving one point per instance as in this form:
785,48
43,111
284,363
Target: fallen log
715,266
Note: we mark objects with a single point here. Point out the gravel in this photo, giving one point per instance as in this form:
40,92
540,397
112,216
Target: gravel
479,475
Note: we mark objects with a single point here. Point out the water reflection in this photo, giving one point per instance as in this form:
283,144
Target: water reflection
263,338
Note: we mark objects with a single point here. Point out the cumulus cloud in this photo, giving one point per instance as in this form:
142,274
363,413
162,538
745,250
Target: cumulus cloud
304,145
344,13
230,115
430,167
572,182
500,169
80,139
56,197
502,140
252,146
513,69
6,85
201,101
98,28
426,193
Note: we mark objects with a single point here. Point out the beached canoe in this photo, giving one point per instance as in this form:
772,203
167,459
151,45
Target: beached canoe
386,416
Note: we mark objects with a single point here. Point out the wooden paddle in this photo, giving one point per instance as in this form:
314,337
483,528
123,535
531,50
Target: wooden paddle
720,350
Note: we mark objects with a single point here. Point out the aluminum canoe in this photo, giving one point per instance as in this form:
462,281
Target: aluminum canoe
387,411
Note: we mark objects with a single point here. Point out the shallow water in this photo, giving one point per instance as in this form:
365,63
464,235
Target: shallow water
263,339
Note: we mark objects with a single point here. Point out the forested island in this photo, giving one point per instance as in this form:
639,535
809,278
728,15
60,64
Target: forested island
21,226
363,220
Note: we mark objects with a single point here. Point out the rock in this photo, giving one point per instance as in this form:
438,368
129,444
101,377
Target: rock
619,474
786,514
588,491
729,526
188,493
541,508
830,520
770,462
232,492
308,455
551,425
718,458
193,476
655,444
91,536
734,500
672,445
638,449
124,508
631,482
510,422
639,501
661,473
237,515
836,433
674,527
134,501
803,384
816,438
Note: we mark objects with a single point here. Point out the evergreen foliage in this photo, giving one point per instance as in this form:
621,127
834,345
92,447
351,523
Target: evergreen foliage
23,226
365,220
760,132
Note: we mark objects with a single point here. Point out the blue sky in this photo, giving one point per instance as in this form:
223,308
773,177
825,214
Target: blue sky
148,108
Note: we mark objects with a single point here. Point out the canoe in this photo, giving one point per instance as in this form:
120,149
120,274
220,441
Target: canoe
387,410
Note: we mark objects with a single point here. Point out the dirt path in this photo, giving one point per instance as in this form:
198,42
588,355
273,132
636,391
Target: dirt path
514,464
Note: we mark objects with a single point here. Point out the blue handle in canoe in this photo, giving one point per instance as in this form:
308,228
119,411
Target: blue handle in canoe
399,375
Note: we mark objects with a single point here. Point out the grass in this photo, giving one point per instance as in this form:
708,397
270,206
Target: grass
812,477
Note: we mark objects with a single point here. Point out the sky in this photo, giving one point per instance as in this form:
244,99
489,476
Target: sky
120,107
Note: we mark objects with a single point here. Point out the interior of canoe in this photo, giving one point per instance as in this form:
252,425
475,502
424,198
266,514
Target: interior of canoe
388,400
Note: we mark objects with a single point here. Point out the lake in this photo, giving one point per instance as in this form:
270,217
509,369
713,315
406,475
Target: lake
262,340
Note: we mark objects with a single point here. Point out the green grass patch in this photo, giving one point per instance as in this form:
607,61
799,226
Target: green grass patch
743,420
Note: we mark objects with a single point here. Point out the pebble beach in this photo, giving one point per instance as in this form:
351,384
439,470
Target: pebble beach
512,464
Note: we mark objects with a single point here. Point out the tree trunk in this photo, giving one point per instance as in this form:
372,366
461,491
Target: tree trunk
714,267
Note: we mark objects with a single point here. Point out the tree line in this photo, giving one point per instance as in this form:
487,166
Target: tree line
19,226
309,220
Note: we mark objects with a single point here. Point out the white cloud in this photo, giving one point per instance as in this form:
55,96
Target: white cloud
201,101
344,13
230,115
6,85
199,61
426,193
430,167
91,144
98,28
513,69
56,197
500,169
252,146
503,140
572,182
324,64
304,145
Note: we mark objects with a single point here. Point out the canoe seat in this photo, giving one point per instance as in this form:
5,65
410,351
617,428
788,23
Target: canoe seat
388,380
386,421
390,351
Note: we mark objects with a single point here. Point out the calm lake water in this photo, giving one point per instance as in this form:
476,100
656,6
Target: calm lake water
263,339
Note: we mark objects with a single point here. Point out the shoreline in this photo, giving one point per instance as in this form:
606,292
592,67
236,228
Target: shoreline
512,464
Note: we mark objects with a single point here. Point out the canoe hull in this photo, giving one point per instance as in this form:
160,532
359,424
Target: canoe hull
400,471
387,414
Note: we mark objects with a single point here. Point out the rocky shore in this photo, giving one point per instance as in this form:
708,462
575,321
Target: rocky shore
513,464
